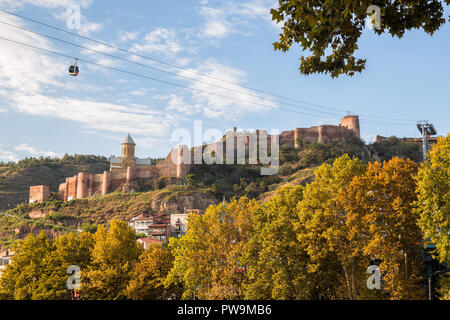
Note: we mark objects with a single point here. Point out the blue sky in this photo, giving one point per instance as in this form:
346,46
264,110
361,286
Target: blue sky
45,112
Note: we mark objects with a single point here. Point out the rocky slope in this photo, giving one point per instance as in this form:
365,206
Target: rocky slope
58,216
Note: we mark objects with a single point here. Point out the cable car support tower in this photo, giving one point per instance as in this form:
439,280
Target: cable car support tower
426,129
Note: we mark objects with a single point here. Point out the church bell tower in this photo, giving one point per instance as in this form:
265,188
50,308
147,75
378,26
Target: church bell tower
128,147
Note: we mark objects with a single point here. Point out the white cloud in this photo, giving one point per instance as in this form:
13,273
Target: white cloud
66,14
176,103
23,69
231,17
88,27
160,40
6,155
127,36
99,58
35,83
51,4
216,24
34,152
216,102
3,110
140,92
104,116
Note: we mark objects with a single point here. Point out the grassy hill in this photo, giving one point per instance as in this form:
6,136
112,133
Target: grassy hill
393,146
16,178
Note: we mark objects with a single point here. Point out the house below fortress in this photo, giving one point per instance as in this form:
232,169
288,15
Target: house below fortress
128,170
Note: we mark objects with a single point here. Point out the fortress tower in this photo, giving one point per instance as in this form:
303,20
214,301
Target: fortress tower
352,123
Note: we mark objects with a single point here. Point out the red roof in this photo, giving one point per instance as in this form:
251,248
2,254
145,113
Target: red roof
142,215
148,241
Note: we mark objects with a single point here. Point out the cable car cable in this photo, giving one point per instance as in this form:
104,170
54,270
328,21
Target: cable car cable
151,67
163,81
155,79
184,69
161,70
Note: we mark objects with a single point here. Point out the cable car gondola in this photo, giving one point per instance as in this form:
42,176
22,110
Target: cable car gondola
73,69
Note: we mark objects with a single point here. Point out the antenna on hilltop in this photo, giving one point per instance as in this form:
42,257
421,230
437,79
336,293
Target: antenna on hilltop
426,129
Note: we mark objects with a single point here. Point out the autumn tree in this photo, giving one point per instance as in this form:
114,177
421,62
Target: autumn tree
38,269
433,204
67,250
328,31
114,256
275,258
433,191
20,279
149,274
209,258
323,229
381,218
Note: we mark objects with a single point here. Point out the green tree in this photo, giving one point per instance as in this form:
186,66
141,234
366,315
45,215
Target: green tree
380,215
433,203
191,180
68,250
149,274
444,289
20,279
323,229
38,269
276,260
114,255
209,258
329,30
433,191
87,227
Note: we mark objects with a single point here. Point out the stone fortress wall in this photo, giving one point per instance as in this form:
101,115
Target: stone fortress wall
128,169
347,130
123,171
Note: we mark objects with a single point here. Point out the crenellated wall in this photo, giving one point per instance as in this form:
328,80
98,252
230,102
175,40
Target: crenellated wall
347,130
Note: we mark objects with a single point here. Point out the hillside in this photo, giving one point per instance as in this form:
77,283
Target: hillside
16,178
58,216
205,185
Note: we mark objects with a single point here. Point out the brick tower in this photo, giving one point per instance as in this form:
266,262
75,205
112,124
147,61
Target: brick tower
128,158
128,147
352,123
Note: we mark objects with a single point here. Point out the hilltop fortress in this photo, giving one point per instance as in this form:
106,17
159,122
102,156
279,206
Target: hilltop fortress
124,171
128,170
347,130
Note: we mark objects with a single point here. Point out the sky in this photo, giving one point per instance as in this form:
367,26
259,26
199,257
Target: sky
226,46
